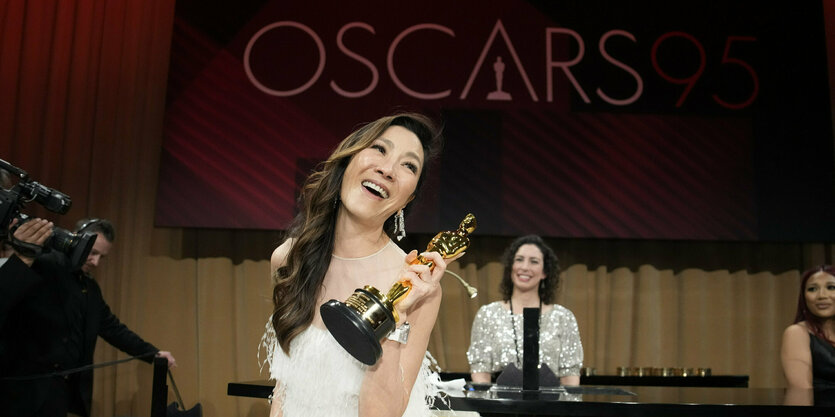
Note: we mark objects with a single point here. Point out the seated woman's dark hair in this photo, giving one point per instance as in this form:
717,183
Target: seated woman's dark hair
550,266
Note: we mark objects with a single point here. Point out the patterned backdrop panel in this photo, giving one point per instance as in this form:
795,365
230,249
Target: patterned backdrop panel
567,119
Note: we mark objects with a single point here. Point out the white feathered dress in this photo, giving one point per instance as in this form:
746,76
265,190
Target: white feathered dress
319,378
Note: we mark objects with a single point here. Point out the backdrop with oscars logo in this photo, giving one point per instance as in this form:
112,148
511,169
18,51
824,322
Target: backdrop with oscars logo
588,119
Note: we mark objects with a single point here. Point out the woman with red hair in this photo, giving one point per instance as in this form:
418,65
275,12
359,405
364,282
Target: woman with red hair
808,349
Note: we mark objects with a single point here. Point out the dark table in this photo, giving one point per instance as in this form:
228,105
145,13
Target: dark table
739,381
254,389
595,401
622,401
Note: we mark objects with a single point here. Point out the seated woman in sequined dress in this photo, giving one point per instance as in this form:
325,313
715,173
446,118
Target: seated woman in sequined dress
531,278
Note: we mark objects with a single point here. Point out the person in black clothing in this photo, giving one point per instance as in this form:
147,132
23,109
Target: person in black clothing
808,348
50,318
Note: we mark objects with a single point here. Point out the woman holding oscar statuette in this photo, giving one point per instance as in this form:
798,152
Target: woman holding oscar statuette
531,278
350,209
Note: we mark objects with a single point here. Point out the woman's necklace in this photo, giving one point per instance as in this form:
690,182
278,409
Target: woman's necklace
513,325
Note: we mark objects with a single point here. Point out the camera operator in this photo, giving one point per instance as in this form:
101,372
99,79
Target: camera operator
50,317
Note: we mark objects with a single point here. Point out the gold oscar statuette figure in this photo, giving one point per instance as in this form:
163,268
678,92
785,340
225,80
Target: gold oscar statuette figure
368,316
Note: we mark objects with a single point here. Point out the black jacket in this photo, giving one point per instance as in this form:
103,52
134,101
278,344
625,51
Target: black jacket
34,330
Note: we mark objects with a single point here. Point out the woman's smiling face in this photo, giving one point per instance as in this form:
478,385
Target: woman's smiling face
820,295
381,179
528,268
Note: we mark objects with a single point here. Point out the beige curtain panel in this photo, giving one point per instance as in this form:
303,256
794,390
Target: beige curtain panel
211,313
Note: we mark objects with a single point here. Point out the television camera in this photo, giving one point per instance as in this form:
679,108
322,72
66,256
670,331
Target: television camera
12,200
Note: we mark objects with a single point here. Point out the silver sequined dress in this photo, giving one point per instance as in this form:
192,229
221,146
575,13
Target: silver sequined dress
492,344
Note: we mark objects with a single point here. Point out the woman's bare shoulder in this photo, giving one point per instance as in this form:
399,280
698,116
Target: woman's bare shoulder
279,255
797,331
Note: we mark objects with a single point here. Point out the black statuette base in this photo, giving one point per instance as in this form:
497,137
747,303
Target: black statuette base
359,334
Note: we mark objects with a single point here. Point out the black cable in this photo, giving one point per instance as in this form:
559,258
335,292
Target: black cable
75,370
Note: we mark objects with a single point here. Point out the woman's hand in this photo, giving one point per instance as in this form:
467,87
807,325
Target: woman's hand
425,281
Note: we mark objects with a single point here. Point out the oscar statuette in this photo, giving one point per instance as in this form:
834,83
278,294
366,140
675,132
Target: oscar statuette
368,316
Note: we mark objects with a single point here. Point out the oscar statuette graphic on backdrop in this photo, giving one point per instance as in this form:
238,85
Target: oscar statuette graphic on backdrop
368,316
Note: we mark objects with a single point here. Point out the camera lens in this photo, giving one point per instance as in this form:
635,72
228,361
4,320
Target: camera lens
75,245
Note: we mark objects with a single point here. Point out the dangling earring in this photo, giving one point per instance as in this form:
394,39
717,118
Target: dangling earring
335,202
399,225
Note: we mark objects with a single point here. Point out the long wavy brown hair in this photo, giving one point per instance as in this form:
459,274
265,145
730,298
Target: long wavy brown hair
298,281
